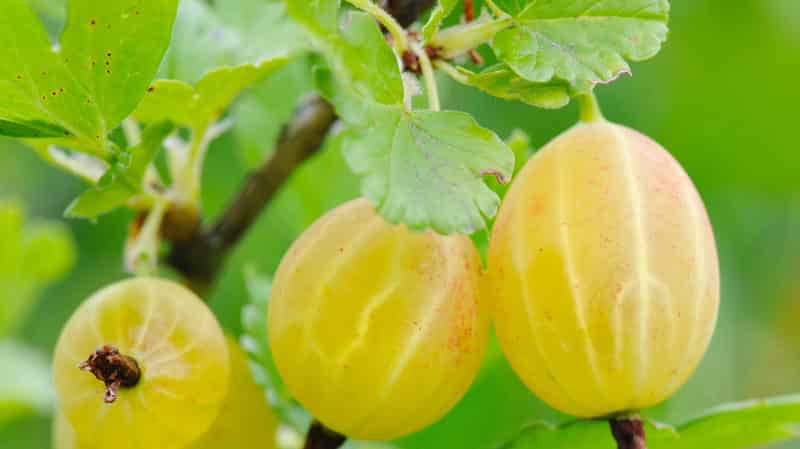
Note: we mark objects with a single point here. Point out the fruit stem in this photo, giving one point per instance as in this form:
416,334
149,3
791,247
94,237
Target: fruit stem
589,108
320,437
113,369
629,433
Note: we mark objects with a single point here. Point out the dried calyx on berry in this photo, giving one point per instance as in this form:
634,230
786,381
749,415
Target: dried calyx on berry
113,369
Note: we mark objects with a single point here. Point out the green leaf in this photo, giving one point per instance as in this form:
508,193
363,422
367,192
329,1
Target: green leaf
583,42
422,168
734,426
232,33
30,257
256,343
176,101
124,178
216,53
502,82
440,12
106,57
25,384
357,51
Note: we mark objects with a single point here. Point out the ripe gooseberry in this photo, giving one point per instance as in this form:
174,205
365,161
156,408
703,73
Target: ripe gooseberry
375,329
162,358
603,272
246,420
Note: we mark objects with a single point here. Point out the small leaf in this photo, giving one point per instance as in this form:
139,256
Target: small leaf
256,343
221,51
357,51
176,101
94,79
124,179
422,168
25,385
734,426
502,82
581,42
440,12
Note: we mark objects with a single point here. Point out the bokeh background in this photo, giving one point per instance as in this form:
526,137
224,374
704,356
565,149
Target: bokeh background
722,96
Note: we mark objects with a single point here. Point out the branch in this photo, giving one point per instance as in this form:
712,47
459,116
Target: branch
200,254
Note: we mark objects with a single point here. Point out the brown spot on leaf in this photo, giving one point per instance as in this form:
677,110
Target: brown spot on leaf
499,176
93,22
151,88
19,77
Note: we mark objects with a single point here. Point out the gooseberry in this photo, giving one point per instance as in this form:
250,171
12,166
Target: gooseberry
158,367
603,272
375,329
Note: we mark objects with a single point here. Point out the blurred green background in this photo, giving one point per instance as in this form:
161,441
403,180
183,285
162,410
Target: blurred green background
722,96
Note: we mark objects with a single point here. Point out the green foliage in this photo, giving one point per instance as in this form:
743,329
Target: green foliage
125,177
423,168
30,257
221,50
199,106
502,82
442,9
106,57
732,426
256,344
581,42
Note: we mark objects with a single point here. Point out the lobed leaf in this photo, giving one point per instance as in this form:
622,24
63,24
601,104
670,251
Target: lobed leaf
124,178
582,42
422,168
83,87
734,426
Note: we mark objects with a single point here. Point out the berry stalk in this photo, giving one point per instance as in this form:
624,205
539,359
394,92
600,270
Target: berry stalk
319,437
628,432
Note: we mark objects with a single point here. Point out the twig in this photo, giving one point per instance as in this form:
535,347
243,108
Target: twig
199,257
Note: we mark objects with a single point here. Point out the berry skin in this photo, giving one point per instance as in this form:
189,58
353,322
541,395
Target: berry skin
378,331
246,421
603,273
179,349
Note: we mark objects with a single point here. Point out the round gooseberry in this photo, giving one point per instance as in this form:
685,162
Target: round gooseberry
179,353
603,272
375,329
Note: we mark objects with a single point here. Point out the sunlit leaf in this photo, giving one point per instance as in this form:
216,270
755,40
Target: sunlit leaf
583,42
98,73
422,168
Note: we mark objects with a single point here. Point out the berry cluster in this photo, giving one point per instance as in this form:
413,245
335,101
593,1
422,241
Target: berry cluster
602,284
